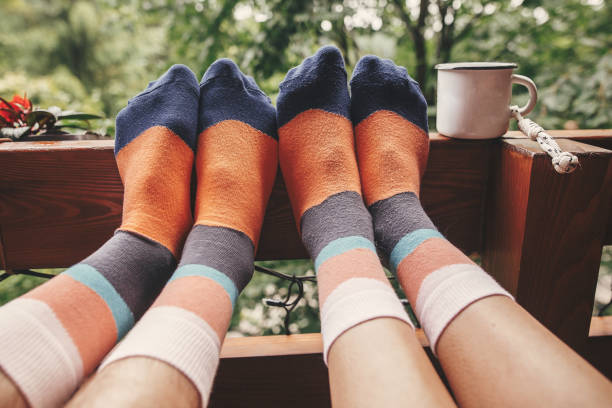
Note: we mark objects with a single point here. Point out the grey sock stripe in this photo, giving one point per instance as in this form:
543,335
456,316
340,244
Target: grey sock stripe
227,250
136,266
340,215
396,216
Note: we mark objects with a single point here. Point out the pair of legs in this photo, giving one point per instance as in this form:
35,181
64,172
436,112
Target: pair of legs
194,267
492,351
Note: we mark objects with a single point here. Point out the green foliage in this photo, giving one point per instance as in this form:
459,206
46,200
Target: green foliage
603,294
17,285
92,56
252,317
85,56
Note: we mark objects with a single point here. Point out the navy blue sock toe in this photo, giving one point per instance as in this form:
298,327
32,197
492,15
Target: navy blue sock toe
223,67
379,84
318,83
171,101
227,94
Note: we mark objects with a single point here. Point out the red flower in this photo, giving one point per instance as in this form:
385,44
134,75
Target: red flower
24,102
15,110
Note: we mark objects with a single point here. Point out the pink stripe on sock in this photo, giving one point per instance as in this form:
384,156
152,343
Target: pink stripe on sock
429,256
356,263
83,313
202,296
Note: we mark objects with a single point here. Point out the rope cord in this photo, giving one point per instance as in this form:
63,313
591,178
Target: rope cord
563,162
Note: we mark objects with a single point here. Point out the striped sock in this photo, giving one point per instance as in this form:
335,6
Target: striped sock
390,117
236,164
59,332
318,162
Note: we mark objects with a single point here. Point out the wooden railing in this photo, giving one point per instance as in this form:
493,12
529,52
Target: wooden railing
540,234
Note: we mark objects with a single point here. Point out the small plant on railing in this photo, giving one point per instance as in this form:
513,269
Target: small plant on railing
19,119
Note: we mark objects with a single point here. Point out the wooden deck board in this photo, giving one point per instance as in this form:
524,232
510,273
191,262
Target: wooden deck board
60,195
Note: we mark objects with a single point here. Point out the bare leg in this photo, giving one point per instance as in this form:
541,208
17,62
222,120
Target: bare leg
137,382
382,353
57,334
374,358
381,363
182,332
494,353
9,394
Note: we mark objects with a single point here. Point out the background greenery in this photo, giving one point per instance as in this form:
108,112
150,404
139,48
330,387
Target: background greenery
92,56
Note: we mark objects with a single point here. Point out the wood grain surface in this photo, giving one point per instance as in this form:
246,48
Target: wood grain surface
297,381
545,232
601,326
597,352
59,201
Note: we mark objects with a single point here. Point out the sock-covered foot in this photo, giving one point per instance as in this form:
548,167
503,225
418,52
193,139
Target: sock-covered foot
59,332
389,113
236,165
318,162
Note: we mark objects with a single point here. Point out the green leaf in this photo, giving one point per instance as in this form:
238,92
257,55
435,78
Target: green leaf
43,118
71,126
79,116
606,311
14,133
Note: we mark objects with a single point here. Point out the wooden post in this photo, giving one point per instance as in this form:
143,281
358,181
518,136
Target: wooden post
272,371
544,232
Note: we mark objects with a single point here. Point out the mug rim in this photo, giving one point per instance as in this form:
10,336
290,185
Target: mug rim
475,66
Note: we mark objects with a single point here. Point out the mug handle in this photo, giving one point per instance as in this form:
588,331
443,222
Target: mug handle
533,92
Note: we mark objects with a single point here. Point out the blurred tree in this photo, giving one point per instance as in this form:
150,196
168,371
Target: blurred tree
451,21
112,48
102,46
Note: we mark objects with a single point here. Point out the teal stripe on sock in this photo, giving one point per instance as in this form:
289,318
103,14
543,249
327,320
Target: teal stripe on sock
341,245
208,272
409,242
90,277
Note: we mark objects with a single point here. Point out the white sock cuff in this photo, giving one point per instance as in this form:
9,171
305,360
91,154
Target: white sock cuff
177,337
38,354
355,301
445,292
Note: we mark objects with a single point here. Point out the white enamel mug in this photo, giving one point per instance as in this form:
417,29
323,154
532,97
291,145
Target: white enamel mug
474,98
